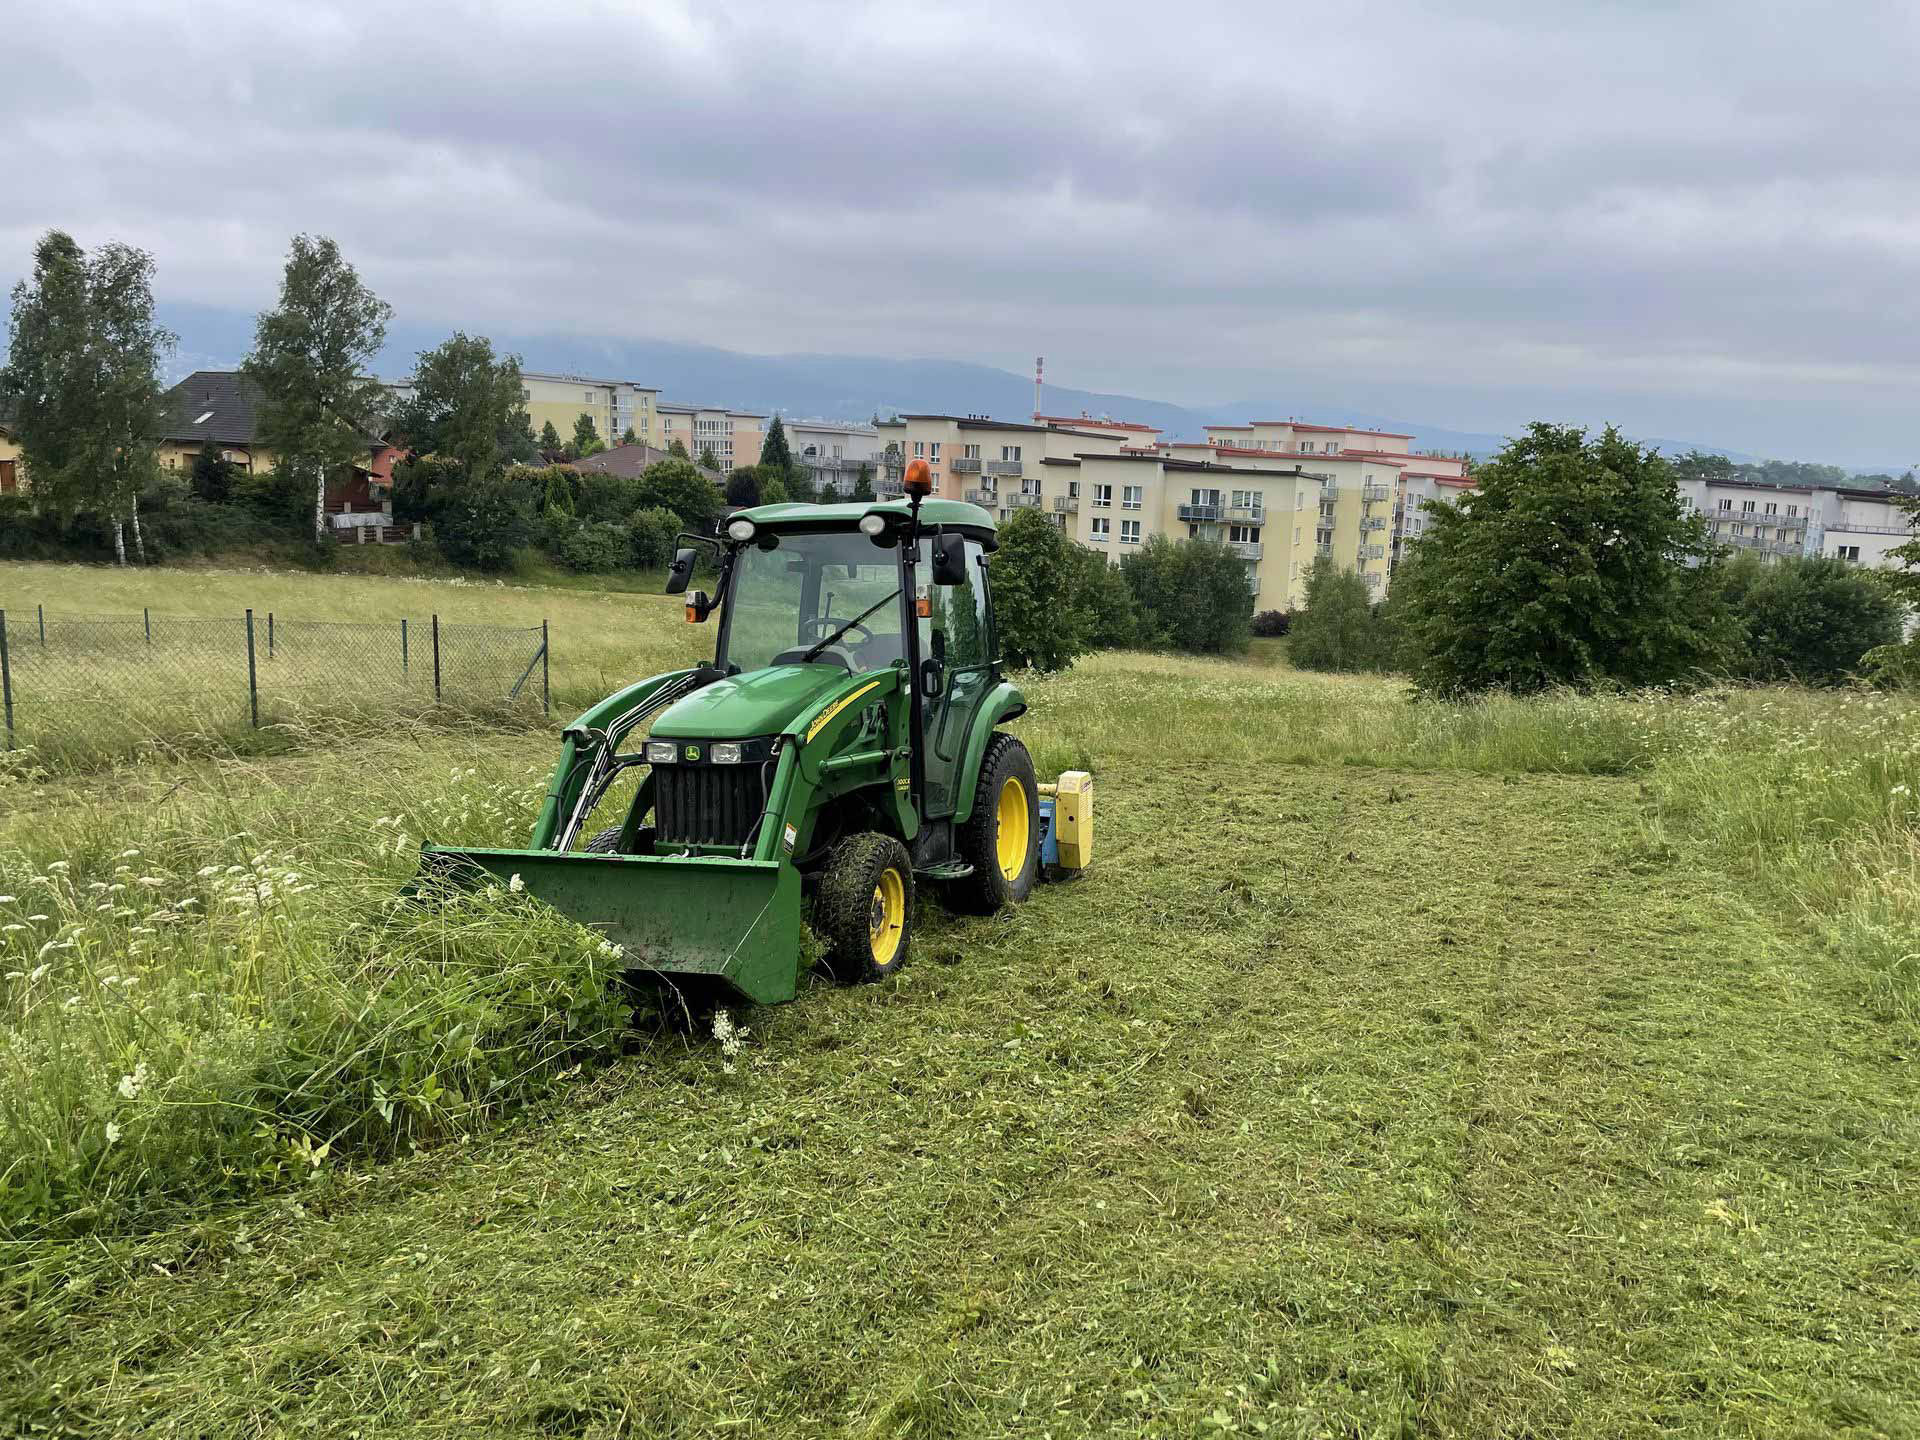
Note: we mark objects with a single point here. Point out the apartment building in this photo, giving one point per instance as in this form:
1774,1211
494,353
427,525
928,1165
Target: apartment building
1775,521
998,464
615,406
833,453
735,436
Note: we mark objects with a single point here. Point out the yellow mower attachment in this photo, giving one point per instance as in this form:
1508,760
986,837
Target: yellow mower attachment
1066,822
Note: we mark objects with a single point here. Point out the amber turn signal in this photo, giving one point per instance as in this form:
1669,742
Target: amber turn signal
919,479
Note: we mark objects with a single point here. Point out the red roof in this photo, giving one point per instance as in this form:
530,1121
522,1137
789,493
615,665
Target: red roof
1337,429
1466,482
1089,420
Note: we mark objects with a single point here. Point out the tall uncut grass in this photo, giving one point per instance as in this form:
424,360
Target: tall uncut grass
209,987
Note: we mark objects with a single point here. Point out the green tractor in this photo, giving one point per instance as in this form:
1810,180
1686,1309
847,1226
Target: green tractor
844,746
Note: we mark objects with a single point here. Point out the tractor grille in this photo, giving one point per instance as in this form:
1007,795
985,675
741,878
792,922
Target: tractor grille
706,804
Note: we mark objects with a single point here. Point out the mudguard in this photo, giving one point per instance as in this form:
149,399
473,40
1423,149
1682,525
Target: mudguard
1003,702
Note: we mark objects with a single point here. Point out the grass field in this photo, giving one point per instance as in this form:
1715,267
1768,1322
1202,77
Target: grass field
1537,1069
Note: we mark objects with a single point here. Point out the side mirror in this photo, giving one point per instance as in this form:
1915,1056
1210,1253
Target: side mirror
680,571
698,607
933,678
949,560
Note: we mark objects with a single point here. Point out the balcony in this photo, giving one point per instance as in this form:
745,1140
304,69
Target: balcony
1021,501
1199,512
888,457
988,498
1325,549
1373,522
1245,549
1067,504
1247,514
1849,528
965,465
1371,493
889,487
1000,467
1369,552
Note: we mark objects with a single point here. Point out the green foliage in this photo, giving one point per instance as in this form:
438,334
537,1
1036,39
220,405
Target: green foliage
468,406
586,439
1809,619
1336,628
651,536
677,486
1040,621
773,488
1101,592
863,483
550,444
556,500
595,546
212,478
776,453
708,460
627,437
311,357
743,487
677,448
1192,594
82,371
606,498
483,522
1572,564
1270,624
420,482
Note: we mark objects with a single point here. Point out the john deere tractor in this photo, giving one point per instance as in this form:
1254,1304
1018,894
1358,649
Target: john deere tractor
844,747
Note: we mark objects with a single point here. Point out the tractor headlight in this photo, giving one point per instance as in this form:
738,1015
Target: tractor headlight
872,525
659,752
724,754
741,530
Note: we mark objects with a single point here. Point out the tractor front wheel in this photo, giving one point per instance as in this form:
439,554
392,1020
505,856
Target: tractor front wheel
1001,836
863,910
607,842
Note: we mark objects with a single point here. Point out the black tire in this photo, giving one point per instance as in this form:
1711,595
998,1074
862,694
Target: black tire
991,885
864,918
607,842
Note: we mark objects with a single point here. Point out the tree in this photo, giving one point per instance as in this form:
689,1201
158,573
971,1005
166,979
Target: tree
586,439
483,522
652,535
743,487
1193,595
675,485
1701,465
1101,592
549,441
774,450
468,406
310,359
83,371
677,448
1335,630
1574,564
863,482
212,478
708,460
1038,617
1808,618
627,437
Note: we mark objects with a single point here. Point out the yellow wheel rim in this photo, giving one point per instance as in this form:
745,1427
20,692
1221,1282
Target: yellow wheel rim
888,922
1013,830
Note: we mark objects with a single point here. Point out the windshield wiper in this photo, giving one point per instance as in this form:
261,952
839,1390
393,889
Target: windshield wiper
815,651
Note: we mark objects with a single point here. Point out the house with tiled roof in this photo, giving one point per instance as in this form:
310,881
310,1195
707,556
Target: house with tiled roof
11,478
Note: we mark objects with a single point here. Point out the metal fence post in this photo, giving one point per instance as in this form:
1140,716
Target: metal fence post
41,610
269,634
546,688
403,649
436,657
6,678
253,681
146,619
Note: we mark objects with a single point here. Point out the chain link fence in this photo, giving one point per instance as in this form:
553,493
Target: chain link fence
169,675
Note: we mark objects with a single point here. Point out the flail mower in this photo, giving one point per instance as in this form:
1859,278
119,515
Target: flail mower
844,747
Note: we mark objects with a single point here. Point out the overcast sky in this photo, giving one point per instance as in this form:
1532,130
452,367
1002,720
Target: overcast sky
1698,220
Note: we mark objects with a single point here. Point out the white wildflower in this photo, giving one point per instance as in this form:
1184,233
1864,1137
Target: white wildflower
516,884
60,865
39,917
113,1133
205,871
129,855
611,950
132,1085
6,929
6,899
38,972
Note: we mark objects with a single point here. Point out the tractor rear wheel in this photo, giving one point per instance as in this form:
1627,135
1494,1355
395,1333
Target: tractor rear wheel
607,842
1001,837
863,910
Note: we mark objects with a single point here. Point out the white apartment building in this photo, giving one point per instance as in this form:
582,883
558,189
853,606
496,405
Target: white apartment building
1858,526
734,435
834,452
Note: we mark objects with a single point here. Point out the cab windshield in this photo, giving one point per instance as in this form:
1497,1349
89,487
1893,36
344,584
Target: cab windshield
790,592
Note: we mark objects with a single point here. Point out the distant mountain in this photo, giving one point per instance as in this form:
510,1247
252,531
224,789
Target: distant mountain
838,387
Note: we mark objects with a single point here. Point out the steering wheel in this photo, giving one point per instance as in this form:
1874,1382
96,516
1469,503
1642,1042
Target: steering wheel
827,624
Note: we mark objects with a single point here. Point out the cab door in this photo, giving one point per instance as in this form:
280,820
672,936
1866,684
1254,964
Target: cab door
958,633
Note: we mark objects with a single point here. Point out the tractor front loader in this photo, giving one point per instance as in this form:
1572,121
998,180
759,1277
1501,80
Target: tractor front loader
845,746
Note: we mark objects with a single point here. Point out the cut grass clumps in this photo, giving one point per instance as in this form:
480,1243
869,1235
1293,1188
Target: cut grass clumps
177,1035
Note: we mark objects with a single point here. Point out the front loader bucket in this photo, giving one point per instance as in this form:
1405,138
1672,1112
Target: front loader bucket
734,920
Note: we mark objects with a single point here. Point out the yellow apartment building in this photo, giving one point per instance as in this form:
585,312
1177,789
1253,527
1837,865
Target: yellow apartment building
614,405
734,435
12,472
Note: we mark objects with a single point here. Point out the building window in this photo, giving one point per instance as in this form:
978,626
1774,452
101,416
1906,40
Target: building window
1850,553
1099,528
933,451
1073,489
1009,452
1299,499
920,447
1102,496
1244,534
1726,504
1792,510
1772,509
1030,485
1130,497
1129,532
1249,500
1296,534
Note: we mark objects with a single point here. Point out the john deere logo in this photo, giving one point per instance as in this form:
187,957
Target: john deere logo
692,752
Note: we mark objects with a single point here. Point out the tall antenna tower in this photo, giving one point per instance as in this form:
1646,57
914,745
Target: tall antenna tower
1039,370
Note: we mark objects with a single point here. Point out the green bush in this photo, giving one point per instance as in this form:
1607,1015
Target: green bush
1271,624
1101,593
1809,619
1193,596
1336,628
1040,616
483,523
677,486
606,498
651,536
419,482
